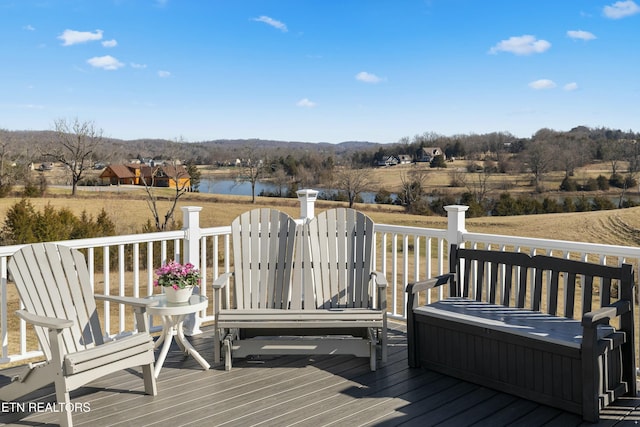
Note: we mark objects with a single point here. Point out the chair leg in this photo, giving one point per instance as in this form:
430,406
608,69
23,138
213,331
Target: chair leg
383,343
216,346
150,387
62,396
227,353
373,348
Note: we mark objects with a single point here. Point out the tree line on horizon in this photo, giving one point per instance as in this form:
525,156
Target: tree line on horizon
298,165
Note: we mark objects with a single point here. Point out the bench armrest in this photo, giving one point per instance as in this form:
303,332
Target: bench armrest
605,314
222,281
44,321
433,282
381,280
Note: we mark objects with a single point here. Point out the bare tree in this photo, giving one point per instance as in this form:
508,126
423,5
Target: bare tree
74,147
479,185
173,176
6,178
540,159
252,168
613,151
413,190
353,181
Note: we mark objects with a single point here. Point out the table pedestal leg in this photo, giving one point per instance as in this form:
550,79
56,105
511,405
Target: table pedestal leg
172,326
168,331
188,348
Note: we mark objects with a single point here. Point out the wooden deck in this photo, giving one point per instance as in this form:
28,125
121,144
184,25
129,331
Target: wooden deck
304,391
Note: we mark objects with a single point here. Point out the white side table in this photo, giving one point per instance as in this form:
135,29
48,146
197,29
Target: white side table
173,315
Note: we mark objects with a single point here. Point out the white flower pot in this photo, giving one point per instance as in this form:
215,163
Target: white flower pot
180,295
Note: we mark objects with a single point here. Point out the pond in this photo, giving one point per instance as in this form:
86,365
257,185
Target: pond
243,188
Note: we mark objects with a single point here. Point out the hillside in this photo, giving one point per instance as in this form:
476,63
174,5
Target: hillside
29,145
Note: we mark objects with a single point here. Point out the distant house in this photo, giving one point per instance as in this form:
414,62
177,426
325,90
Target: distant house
387,161
137,174
426,154
119,175
405,159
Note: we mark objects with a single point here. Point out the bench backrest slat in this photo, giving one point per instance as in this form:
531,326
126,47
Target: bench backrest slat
570,297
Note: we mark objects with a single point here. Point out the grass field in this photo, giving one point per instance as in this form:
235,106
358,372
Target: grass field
128,209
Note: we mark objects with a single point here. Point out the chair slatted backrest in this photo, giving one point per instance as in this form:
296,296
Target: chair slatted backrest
341,243
263,244
54,281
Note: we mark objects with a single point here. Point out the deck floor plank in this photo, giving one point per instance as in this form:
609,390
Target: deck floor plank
303,391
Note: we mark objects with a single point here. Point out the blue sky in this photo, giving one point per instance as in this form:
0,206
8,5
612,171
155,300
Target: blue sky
319,70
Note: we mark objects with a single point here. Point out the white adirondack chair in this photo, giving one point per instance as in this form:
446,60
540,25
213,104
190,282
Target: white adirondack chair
53,284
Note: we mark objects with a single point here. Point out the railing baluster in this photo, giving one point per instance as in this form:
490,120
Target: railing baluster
106,271
121,283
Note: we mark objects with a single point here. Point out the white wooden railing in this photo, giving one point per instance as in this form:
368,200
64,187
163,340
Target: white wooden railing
124,265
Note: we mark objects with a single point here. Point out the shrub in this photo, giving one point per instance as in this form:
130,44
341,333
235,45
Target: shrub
616,180
383,197
590,185
568,184
23,224
602,203
603,183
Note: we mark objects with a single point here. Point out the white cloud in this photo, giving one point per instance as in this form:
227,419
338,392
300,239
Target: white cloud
272,22
29,28
135,65
71,37
110,43
621,9
571,86
106,62
521,45
542,84
365,77
582,35
164,74
305,102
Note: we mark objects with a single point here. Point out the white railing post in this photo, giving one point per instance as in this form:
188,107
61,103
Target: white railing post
191,226
307,199
191,253
456,223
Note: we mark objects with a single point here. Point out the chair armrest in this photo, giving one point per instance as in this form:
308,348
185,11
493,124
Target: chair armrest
605,314
433,282
44,321
381,280
222,280
132,301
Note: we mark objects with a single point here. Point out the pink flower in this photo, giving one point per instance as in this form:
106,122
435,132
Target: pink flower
177,275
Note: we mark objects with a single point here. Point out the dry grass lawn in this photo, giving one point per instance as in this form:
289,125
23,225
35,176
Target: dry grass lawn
129,210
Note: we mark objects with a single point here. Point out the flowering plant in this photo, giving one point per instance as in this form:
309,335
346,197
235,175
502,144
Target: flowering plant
177,275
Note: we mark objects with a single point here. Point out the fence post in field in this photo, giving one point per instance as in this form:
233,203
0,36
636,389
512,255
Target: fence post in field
191,253
307,199
455,224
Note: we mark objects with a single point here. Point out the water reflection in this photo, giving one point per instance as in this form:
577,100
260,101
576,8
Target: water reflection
243,188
